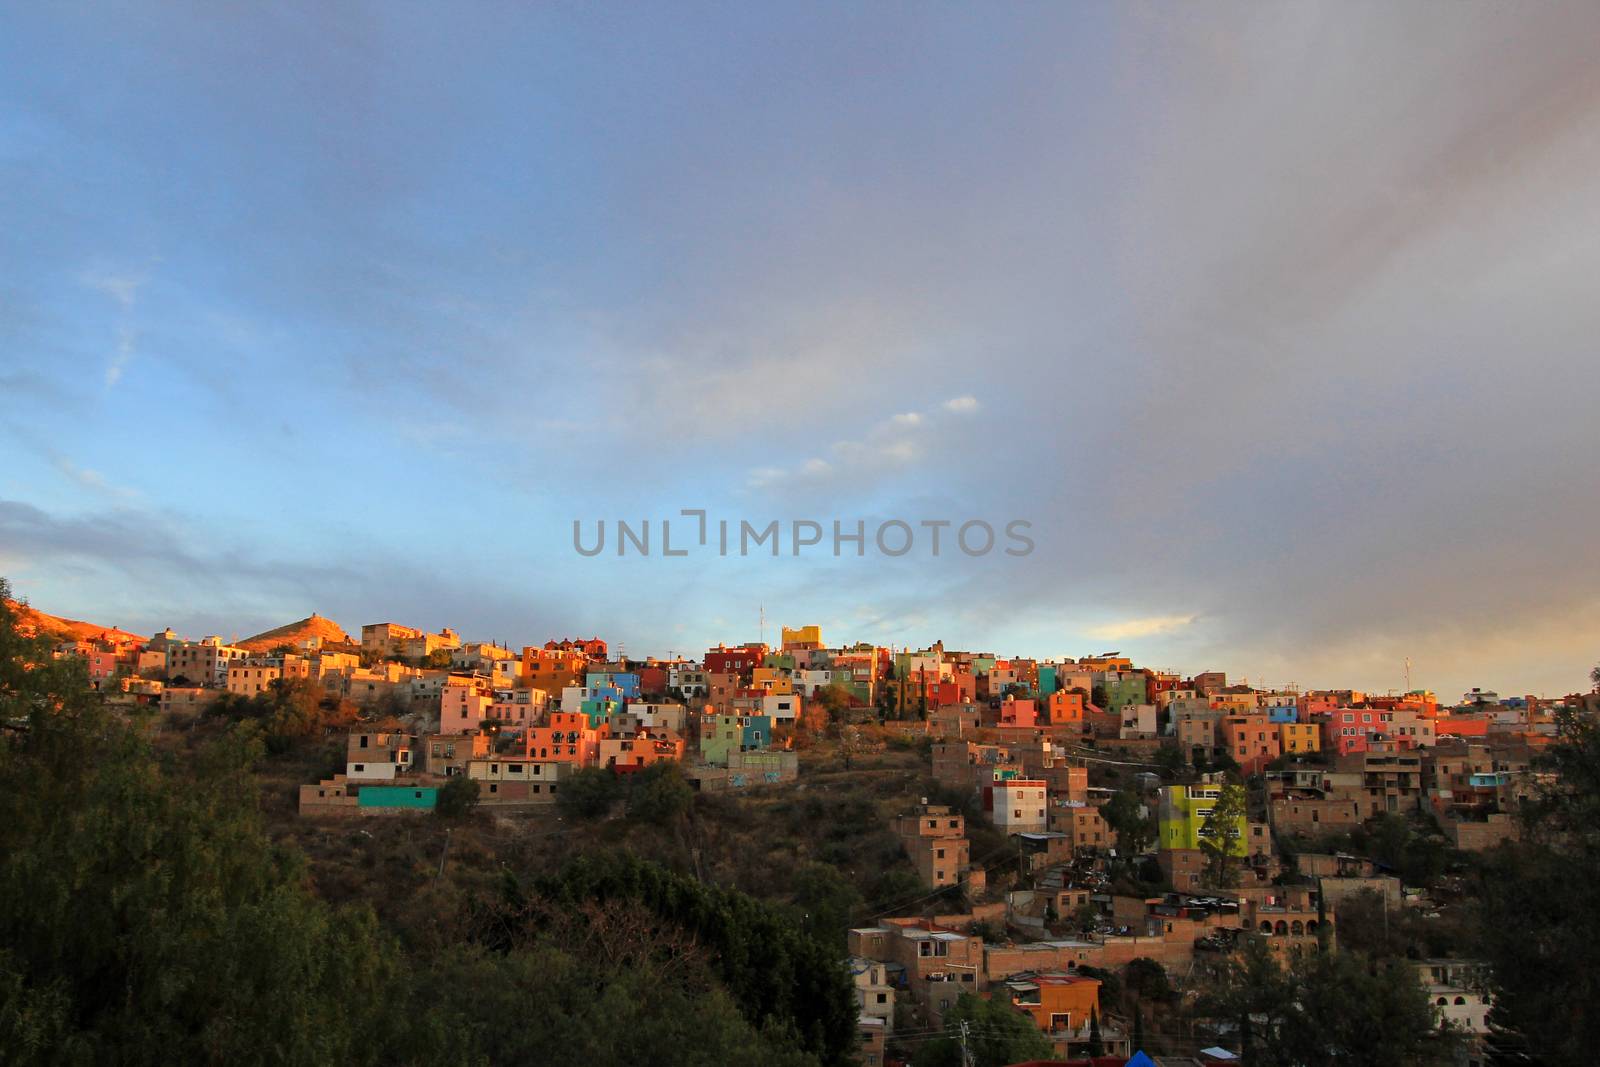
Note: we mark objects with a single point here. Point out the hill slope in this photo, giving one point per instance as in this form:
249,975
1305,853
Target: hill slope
32,619
293,633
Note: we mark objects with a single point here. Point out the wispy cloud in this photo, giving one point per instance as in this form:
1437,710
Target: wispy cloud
894,443
124,289
121,357
1150,626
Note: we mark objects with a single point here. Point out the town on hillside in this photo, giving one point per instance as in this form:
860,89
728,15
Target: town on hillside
1089,844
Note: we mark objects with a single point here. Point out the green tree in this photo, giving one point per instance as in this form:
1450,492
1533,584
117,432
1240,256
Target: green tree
540,1004
1326,1010
1147,980
1222,834
1540,901
780,975
659,794
439,659
458,797
1135,830
145,915
588,793
826,899
997,1035
1170,762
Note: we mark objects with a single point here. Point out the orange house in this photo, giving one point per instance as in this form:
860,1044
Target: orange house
566,738
626,755
552,669
1066,706
1461,726
1054,1000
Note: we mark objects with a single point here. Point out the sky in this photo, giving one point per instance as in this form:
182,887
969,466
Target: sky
1277,323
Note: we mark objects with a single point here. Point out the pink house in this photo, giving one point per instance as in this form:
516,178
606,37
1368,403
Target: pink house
1347,730
1016,712
463,705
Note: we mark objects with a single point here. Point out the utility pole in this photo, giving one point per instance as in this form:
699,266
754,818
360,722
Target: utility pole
443,856
966,1056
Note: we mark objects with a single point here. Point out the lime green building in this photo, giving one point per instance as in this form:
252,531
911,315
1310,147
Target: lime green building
1184,808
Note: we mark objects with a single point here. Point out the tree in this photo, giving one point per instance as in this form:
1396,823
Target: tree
588,793
835,700
145,915
1222,836
1325,1010
1147,979
1540,902
997,1035
440,659
1097,1046
545,1005
1170,763
783,978
458,797
1135,830
659,793
826,899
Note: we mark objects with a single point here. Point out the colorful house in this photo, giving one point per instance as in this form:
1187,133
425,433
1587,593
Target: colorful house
1056,1001
1182,820
568,737
1299,737
397,798
721,734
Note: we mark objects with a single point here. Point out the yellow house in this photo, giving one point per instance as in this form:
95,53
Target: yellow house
774,681
802,637
1299,737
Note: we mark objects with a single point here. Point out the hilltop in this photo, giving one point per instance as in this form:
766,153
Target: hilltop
293,633
31,619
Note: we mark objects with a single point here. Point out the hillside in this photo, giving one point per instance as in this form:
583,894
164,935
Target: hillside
31,619
293,633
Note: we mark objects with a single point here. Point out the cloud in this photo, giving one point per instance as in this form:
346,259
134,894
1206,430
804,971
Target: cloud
148,569
1150,626
123,288
89,479
892,444
122,357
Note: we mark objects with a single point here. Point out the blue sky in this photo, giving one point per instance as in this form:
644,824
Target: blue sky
1277,323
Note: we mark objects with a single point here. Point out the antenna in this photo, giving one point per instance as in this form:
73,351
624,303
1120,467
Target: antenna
1408,678
761,614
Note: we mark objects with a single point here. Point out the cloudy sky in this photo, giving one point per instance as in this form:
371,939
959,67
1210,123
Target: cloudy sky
1280,323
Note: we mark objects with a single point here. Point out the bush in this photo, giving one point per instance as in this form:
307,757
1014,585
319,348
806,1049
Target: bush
458,798
660,794
588,793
